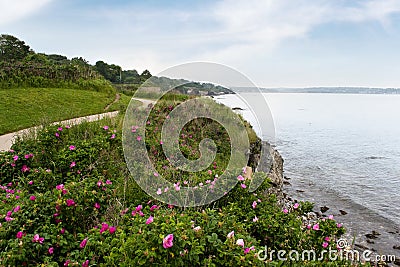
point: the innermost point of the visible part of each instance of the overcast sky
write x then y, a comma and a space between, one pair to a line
276, 43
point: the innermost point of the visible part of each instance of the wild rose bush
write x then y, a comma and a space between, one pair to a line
64, 202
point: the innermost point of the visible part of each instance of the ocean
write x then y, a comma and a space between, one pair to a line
341, 151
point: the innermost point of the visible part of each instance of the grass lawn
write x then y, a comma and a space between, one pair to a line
25, 107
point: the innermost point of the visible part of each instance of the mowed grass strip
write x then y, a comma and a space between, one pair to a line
26, 107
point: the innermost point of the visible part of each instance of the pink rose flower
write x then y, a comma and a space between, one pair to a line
149, 220
60, 187
240, 242
112, 229
168, 241
154, 207
37, 239
83, 243
25, 168
20, 235
231, 234
104, 227
70, 202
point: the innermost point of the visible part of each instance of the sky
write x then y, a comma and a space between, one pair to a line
276, 43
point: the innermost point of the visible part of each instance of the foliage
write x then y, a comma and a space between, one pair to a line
26, 107
22, 67
12, 49
67, 198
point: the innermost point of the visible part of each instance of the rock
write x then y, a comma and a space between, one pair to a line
391, 232
397, 262
311, 216
375, 233
300, 191
396, 247
237, 108
371, 236
370, 241
286, 178
361, 246
324, 209
286, 183
271, 163
342, 212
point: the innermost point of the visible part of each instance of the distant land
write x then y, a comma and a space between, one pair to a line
323, 90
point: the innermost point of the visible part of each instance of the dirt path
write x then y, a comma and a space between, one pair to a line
117, 97
7, 140
146, 102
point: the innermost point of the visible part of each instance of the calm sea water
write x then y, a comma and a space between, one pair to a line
342, 145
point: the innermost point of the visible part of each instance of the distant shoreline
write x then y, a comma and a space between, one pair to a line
322, 90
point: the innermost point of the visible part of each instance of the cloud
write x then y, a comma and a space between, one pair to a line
12, 10
239, 33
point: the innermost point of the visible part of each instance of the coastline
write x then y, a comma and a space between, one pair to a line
365, 229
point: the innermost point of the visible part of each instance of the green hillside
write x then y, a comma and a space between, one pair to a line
25, 107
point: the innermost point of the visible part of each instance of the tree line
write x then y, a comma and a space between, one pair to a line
20, 66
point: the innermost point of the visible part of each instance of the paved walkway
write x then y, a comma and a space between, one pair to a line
7, 140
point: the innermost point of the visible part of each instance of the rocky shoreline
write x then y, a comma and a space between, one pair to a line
365, 229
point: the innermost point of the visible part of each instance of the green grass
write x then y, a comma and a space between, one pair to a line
123, 103
25, 107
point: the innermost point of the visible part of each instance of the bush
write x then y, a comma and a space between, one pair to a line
67, 199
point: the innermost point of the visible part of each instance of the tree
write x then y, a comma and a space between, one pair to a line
130, 76
110, 72
80, 61
12, 49
37, 58
145, 75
